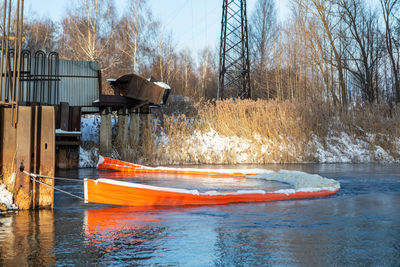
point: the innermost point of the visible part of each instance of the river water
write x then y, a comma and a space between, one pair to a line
359, 226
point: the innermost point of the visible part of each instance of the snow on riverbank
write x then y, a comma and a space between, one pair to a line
6, 198
213, 148
347, 149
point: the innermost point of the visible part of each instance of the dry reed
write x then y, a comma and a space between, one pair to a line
272, 131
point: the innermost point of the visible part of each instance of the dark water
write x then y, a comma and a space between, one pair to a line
360, 226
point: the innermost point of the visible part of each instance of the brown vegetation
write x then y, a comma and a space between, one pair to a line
278, 131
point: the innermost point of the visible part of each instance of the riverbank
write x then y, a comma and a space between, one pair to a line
260, 132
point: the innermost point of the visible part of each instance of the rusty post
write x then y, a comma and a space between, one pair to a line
47, 156
64, 116
7, 149
23, 185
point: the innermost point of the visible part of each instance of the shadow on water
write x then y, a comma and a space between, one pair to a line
360, 226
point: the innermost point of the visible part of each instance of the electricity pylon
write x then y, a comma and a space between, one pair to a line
234, 63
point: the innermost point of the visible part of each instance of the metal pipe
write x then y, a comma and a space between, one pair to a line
20, 26
2, 49
14, 77
8, 70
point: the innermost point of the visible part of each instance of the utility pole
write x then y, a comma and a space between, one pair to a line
234, 63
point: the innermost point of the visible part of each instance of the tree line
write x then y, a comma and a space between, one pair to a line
339, 51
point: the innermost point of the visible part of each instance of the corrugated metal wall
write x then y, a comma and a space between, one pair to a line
46, 80
79, 83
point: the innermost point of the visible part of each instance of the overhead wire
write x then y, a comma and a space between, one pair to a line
201, 29
176, 13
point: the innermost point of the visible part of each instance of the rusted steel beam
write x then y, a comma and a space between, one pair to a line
1, 144
47, 156
23, 185
75, 114
36, 151
117, 101
68, 143
8, 141
64, 116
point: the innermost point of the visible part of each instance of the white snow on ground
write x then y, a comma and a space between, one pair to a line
6, 198
199, 145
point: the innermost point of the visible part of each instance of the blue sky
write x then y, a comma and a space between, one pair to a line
194, 24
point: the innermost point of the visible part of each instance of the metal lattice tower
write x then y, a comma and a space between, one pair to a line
234, 63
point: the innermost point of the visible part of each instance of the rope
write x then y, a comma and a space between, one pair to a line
54, 178
33, 176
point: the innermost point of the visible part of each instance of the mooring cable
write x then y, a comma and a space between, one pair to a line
51, 177
33, 176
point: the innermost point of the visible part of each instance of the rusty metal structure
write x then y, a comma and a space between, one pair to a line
27, 133
234, 63
40, 93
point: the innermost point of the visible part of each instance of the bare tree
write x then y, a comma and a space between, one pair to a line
40, 34
363, 49
390, 11
325, 13
137, 31
207, 71
262, 36
87, 33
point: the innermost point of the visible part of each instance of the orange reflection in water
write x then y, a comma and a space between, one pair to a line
133, 223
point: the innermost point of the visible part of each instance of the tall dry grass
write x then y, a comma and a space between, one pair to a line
278, 131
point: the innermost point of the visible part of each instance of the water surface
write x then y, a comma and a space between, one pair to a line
359, 226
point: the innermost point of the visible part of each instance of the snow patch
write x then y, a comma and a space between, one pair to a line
163, 85
88, 158
6, 198
59, 131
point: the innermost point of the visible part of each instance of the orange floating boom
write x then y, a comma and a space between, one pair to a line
113, 192
123, 166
